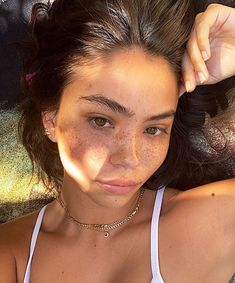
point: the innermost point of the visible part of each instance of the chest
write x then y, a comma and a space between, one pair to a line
187, 253
59, 260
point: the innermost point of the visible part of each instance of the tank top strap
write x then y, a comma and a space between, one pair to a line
33, 242
157, 278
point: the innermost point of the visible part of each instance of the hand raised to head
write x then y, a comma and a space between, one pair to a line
210, 53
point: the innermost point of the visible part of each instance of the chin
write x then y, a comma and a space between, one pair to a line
111, 200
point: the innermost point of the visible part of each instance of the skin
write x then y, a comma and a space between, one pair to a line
121, 148
196, 232
210, 48
196, 228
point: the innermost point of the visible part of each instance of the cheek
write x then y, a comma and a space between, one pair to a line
81, 149
154, 155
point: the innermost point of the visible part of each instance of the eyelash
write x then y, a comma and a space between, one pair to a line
91, 120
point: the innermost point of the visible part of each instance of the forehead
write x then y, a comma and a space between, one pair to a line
127, 74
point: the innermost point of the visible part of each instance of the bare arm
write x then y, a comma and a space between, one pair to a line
8, 269
229, 221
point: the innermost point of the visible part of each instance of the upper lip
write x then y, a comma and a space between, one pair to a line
119, 182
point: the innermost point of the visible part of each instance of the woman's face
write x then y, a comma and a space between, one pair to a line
114, 123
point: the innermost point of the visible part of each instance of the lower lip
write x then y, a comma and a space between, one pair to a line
117, 189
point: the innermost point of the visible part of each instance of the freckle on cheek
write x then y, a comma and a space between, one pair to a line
75, 150
61, 128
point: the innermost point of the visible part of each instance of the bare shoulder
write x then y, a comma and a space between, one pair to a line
223, 187
212, 208
15, 237
223, 191
18, 227
217, 196
209, 206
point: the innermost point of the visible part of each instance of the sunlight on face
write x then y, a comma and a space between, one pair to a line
115, 119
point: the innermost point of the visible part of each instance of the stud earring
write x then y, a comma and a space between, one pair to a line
47, 133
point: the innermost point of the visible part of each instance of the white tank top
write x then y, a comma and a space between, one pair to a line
157, 278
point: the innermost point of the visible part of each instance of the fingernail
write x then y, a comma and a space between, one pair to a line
188, 86
205, 55
202, 77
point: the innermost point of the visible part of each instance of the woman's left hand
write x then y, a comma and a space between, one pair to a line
213, 34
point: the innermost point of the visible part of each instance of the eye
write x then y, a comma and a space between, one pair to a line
155, 131
99, 122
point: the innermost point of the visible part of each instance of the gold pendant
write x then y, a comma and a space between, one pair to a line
106, 234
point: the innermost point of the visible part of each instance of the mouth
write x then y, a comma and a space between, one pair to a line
118, 188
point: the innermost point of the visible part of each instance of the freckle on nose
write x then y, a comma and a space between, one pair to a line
213, 194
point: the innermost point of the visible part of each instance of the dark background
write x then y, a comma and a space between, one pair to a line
14, 27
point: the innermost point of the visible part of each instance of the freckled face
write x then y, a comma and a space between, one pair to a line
98, 139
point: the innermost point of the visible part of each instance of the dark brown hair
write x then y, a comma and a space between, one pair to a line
76, 32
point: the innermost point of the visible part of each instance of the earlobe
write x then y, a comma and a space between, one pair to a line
49, 123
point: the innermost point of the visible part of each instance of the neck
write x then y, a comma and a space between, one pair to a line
96, 207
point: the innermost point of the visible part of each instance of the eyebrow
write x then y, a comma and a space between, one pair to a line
116, 107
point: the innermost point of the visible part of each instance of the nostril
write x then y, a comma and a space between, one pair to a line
125, 156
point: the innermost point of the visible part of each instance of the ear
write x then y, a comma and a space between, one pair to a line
49, 123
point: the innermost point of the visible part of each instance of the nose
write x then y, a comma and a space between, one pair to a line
126, 151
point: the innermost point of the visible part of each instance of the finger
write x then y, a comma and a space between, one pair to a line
209, 22
197, 59
188, 73
182, 89
202, 26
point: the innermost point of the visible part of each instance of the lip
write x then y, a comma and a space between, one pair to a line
120, 183
117, 189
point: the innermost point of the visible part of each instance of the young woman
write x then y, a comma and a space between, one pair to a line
102, 121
